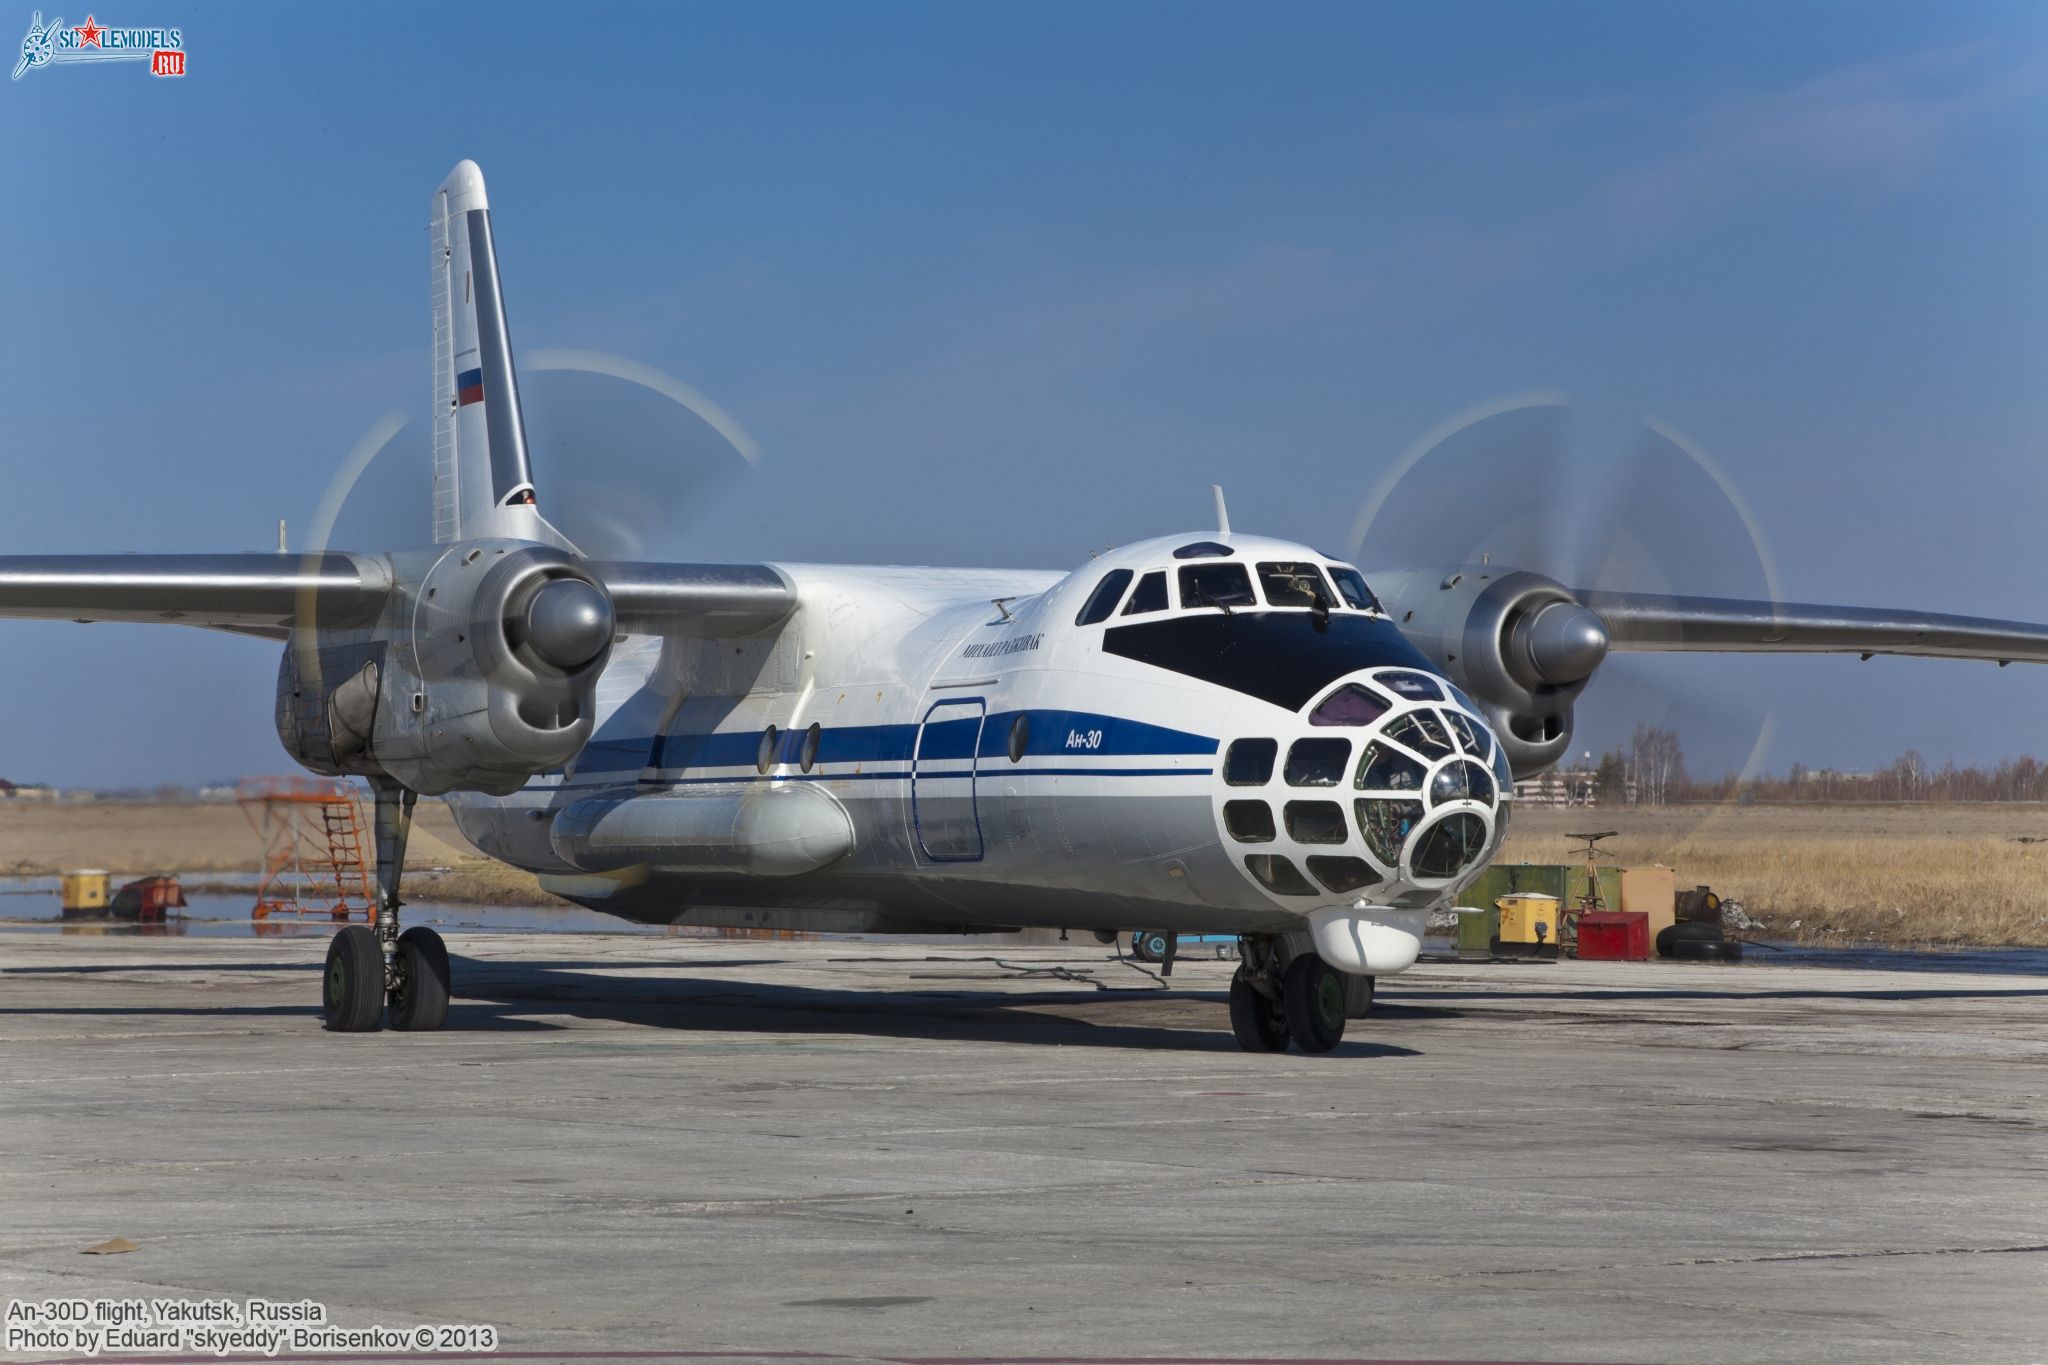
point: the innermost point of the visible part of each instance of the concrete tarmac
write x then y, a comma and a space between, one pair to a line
685, 1147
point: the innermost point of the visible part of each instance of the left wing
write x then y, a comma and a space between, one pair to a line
252, 594
1652, 621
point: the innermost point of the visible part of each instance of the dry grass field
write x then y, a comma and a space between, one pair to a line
1895, 874
194, 840
1934, 874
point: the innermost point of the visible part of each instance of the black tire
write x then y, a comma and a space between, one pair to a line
1372, 990
1259, 1022
1313, 992
1148, 945
1707, 950
352, 988
1693, 931
419, 1000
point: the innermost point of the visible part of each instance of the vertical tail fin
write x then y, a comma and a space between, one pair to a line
483, 485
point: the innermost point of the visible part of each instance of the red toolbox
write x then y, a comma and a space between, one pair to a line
1614, 936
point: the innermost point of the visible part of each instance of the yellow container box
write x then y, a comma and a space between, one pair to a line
85, 889
1528, 918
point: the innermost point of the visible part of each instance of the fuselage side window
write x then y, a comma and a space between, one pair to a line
1294, 585
1351, 583
1103, 600
1150, 594
1216, 585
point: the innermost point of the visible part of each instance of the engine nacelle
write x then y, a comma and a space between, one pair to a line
1517, 642
481, 673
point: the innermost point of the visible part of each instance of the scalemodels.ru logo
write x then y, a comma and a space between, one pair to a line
55, 44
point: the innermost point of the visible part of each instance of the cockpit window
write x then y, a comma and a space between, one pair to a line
1422, 732
1294, 585
1103, 600
1414, 686
1204, 549
1216, 585
1150, 596
1351, 583
1349, 705
1317, 762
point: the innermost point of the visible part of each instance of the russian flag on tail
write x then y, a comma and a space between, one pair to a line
469, 388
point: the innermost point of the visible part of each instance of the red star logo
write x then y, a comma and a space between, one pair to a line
88, 32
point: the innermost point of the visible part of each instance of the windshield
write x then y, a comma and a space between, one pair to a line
1294, 585
1216, 585
1351, 583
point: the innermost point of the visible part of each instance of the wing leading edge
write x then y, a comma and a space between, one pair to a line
1654, 622
267, 594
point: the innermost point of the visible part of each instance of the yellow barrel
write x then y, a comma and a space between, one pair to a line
85, 889
1528, 918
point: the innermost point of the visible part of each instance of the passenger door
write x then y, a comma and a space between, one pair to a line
943, 776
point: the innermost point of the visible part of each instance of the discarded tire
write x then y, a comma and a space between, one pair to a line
1669, 937
1708, 950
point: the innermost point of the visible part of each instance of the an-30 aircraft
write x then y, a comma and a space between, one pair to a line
1209, 733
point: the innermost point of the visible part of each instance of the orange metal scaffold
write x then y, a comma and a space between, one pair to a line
311, 830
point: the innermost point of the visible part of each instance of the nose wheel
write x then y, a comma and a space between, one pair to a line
373, 971
1275, 1001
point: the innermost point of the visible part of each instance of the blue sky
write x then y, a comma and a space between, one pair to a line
1005, 284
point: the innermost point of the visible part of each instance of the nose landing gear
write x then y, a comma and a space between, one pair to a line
368, 964
1278, 998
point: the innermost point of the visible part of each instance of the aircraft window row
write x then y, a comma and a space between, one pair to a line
1453, 844
1351, 583
1339, 874
1316, 822
807, 753
1287, 584
1294, 585
1350, 705
1150, 594
1249, 822
1461, 782
1020, 737
1276, 873
1103, 600
1423, 732
764, 754
1468, 734
1386, 825
1343, 874
1317, 762
1413, 686
1249, 762
1216, 585
1385, 769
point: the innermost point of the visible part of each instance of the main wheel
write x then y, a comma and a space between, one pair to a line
1313, 992
419, 998
1257, 1021
352, 992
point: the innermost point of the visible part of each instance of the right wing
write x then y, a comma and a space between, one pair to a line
253, 594
267, 594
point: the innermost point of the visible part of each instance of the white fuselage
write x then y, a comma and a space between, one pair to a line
906, 754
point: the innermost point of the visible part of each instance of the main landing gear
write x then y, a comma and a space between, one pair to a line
1277, 999
374, 970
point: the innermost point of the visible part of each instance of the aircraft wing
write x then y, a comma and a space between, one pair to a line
1651, 621
255, 594
265, 594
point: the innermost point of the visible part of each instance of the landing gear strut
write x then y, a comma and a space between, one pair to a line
368, 964
1276, 1000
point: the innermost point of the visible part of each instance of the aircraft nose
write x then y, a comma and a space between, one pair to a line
1561, 643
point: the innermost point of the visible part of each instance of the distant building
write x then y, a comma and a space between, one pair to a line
1560, 787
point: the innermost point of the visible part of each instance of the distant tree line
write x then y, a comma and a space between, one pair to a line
1650, 771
